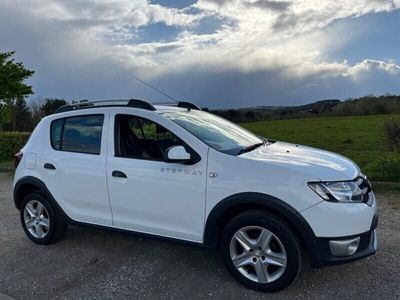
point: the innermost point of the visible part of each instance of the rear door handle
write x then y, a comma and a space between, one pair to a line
119, 174
49, 166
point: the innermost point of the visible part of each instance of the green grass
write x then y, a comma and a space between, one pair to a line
357, 137
384, 187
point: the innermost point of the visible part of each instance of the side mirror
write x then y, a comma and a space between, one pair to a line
177, 154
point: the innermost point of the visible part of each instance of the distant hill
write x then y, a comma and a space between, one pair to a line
367, 105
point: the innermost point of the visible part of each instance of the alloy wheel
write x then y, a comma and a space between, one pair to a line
36, 219
258, 254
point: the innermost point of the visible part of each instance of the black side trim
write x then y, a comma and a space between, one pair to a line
135, 233
215, 218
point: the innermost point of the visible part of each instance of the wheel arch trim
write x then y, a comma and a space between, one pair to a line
216, 216
40, 186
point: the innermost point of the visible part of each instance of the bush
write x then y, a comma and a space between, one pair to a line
391, 134
385, 168
11, 143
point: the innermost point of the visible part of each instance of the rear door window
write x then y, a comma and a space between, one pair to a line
78, 134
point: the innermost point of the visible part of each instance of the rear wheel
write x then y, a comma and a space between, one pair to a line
261, 251
39, 220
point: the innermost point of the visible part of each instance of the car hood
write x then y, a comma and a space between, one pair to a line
321, 164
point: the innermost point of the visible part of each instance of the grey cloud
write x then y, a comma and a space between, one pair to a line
218, 2
285, 21
93, 10
167, 47
276, 86
273, 5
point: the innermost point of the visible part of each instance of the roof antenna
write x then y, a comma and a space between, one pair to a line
153, 88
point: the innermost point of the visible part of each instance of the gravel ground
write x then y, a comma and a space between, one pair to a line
101, 264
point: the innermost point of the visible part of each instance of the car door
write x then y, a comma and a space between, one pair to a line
148, 194
74, 166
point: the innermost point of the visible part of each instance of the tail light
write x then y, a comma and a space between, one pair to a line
17, 158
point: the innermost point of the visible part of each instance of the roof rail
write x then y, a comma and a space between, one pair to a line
188, 105
165, 103
87, 104
141, 104
64, 108
125, 102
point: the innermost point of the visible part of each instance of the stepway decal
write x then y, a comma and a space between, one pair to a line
181, 171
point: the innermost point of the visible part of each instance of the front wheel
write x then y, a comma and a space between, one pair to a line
261, 251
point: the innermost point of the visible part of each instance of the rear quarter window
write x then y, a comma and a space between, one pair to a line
77, 134
56, 127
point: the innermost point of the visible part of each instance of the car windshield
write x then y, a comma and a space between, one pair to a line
216, 132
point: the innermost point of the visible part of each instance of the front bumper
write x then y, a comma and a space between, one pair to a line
367, 246
329, 219
339, 228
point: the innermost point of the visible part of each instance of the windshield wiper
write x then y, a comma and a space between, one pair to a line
265, 140
250, 148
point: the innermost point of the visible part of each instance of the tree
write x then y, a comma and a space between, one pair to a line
12, 86
21, 119
12, 77
35, 107
391, 134
250, 116
51, 105
4, 113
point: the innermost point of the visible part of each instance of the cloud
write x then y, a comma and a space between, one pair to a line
281, 84
259, 51
264, 4
274, 5
104, 12
371, 65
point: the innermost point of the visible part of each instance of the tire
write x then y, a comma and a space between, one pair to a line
39, 220
265, 249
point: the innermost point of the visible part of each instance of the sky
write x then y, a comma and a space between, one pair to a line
215, 53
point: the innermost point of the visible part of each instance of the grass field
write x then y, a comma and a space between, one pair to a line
357, 137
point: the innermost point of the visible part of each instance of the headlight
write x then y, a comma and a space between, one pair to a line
342, 191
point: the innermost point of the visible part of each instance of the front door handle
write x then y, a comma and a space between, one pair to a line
49, 166
119, 174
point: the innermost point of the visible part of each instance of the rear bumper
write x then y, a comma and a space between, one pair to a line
367, 245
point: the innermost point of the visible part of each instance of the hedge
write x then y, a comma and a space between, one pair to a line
385, 168
11, 143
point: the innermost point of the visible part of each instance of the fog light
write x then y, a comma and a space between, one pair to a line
375, 237
344, 247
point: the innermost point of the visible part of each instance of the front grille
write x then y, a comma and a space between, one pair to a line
365, 187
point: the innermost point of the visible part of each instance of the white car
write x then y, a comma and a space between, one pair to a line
185, 174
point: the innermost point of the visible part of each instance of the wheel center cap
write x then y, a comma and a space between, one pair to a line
257, 252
